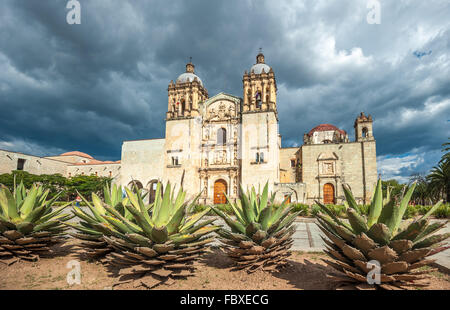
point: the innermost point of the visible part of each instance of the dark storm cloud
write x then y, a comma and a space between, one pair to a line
91, 86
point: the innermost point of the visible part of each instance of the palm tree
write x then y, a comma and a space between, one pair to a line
439, 179
446, 156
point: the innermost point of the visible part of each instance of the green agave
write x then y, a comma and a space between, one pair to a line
28, 223
90, 228
163, 241
260, 236
400, 247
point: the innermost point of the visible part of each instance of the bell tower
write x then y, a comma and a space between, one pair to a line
185, 94
260, 140
260, 87
363, 128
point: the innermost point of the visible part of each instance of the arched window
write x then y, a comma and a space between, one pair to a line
221, 136
365, 132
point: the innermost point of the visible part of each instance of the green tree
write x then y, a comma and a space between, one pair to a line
396, 188
421, 194
446, 150
439, 180
57, 183
86, 185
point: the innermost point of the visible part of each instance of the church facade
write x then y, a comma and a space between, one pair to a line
214, 144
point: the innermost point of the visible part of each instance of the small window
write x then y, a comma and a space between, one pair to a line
20, 163
175, 161
365, 132
221, 136
292, 163
258, 99
259, 157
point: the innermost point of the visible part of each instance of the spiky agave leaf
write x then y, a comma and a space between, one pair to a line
98, 220
400, 252
29, 224
260, 234
162, 243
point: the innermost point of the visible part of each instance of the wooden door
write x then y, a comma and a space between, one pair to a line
328, 194
220, 189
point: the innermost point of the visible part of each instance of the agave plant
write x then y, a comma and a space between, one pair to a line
88, 229
260, 236
28, 223
399, 247
162, 242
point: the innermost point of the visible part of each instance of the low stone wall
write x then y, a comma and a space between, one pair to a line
298, 191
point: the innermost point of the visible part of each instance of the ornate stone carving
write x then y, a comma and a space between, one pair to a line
328, 168
220, 157
221, 110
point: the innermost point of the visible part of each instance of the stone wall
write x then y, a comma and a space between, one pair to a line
260, 134
296, 190
353, 163
141, 161
287, 172
33, 164
100, 170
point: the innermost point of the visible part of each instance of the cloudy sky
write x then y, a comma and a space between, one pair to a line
88, 87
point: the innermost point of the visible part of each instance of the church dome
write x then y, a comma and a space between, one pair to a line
188, 78
77, 153
260, 66
325, 127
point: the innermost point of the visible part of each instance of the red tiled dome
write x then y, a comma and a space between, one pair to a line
77, 153
325, 127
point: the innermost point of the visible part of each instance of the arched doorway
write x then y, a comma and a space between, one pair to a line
328, 194
135, 185
152, 185
220, 189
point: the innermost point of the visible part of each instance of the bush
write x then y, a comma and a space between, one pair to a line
315, 209
364, 209
301, 207
443, 211
224, 208
57, 183
411, 211
338, 210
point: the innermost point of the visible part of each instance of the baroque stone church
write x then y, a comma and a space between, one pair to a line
216, 143
213, 144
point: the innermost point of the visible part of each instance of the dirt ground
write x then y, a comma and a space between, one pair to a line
305, 271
